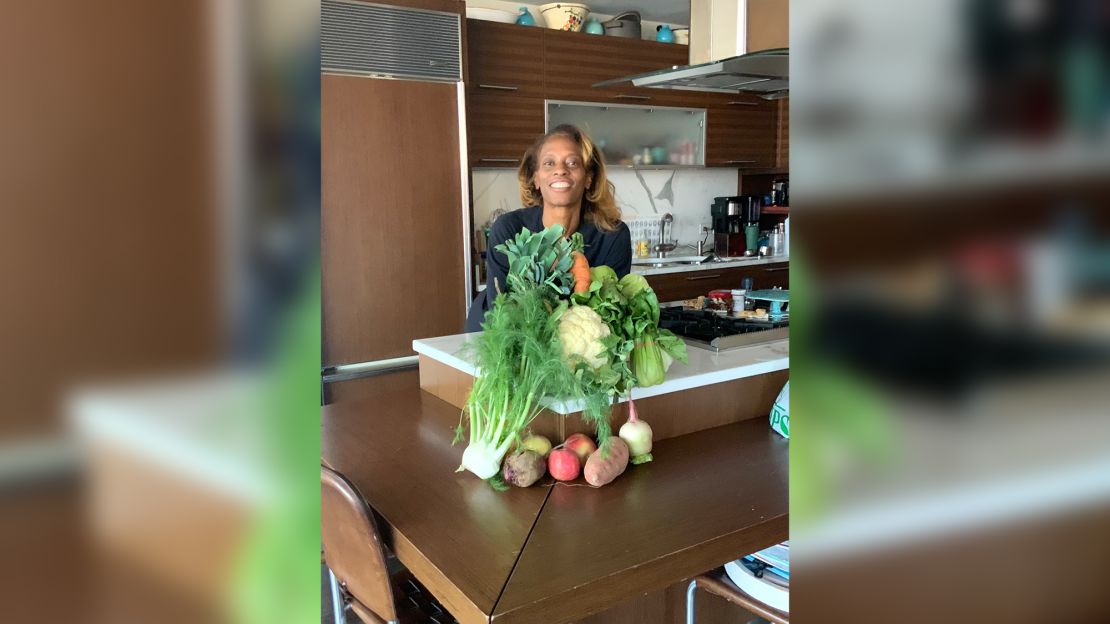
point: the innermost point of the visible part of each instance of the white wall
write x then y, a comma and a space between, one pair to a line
692, 190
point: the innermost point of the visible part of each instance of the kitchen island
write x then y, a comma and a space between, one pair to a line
710, 390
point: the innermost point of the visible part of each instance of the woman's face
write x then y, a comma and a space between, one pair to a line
560, 174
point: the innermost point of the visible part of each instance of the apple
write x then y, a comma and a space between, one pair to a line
537, 443
582, 446
563, 464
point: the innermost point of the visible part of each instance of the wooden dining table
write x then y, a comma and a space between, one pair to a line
556, 552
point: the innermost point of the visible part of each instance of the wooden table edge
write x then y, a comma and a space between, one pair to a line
574, 595
435, 581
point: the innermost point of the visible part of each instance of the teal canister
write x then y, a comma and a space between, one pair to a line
594, 27
525, 18
664, 34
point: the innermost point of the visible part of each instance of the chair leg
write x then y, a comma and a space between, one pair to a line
691, 589
336, 600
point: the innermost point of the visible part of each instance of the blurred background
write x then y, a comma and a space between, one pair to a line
950, 351
159, 178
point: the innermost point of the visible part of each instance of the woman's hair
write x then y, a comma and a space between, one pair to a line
599, 206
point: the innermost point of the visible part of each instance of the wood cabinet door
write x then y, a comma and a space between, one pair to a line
782, 141
504, 58
742, 133
391, 216
501, 127
692, 284
573, 62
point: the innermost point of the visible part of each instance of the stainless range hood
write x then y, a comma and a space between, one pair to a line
766, 72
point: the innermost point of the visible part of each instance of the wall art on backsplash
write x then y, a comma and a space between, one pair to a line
686, 194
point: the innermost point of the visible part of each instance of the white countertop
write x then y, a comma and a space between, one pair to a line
704, 368
708, 266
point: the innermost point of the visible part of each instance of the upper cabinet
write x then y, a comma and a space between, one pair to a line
513, 70
504, 58
741, 132
574, 62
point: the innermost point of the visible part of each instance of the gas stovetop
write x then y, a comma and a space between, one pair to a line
707, 330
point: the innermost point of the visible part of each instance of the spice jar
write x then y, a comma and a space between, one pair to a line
738, 299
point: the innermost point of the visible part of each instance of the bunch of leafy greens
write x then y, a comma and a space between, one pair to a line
519, 356
631, 309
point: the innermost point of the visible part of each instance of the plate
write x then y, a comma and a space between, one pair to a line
491, 15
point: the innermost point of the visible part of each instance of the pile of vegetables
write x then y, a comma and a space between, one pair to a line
565, 331
630, 309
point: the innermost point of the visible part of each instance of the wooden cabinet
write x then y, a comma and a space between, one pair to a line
574, 62
782, 139
383, 223
741, 132
504, 93
504, 58
513, 69
501, 127
691, 284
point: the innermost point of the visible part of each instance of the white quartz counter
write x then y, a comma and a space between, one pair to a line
704, 368
647, 269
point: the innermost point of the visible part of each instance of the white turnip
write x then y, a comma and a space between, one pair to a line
637, 434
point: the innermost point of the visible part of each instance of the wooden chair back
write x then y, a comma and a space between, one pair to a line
353, 547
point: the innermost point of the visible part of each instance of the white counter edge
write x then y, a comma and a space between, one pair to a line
647, 269
767, 358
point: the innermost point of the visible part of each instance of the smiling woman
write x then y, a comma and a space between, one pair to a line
562, 180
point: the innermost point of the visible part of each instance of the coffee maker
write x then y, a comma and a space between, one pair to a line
730, 216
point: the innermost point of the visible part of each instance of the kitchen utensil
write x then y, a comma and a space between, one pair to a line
491, 15
664, 34
525, 18
626, 24
564, 16
594, 27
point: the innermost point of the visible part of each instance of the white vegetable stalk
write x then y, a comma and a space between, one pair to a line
483, 460
493, 432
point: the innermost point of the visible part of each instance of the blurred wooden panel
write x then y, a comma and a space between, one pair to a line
109, 250
391, 216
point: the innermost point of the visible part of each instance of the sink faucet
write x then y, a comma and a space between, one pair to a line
663, 247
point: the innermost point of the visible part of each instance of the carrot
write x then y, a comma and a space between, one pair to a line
581, 272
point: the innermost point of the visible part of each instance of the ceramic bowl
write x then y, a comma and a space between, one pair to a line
564, 16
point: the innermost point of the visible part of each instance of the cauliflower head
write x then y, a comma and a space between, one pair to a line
580, 332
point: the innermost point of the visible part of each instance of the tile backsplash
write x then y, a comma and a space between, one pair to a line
685, 193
